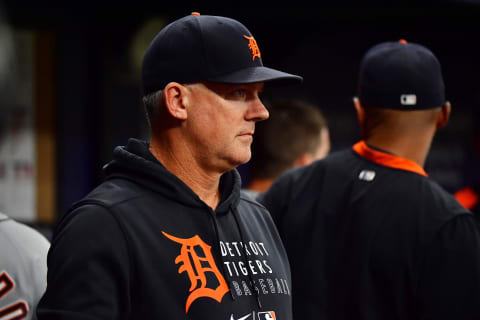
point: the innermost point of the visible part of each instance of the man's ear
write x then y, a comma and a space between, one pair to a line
360, 111
444, 115
176, 100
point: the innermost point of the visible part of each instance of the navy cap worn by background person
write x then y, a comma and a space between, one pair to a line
401, 75
205, 48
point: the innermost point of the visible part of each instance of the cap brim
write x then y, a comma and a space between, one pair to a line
257, 74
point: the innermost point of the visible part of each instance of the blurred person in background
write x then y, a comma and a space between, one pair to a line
469, 194
469, 197
295, 134
23, 250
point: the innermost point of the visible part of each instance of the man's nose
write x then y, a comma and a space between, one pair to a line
257, 111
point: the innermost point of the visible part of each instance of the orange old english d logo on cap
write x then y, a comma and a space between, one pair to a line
196, 266
252, 44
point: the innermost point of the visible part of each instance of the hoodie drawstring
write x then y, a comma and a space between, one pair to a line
254, 288
242, 238
217, 239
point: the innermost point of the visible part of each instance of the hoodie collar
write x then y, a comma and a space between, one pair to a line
135, 162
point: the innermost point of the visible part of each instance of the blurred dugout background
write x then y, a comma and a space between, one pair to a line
77, 93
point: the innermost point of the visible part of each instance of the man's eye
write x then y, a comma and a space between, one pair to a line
239, 93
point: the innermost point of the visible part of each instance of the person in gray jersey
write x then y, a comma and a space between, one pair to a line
23, 250
23, 269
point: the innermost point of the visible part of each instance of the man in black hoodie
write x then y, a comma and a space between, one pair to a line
167, 235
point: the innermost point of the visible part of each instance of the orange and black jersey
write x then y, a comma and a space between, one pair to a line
369, 236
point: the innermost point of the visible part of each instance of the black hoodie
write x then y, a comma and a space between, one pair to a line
142, 245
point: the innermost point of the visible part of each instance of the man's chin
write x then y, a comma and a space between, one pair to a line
239, 160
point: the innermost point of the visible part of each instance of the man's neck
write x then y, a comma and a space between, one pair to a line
183, 166
413, 148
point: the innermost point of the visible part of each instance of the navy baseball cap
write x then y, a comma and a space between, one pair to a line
401, 75
205, 48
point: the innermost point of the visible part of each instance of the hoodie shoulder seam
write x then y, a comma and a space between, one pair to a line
103, 203
252, 202
137, 195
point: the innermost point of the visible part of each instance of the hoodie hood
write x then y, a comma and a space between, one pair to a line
135, 162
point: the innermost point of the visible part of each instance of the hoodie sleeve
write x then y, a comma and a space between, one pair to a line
450, 281
88, 269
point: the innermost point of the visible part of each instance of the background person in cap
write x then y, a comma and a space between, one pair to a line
296, 134
167, 234
368, 234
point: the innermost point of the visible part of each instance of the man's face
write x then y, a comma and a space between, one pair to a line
221, 123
